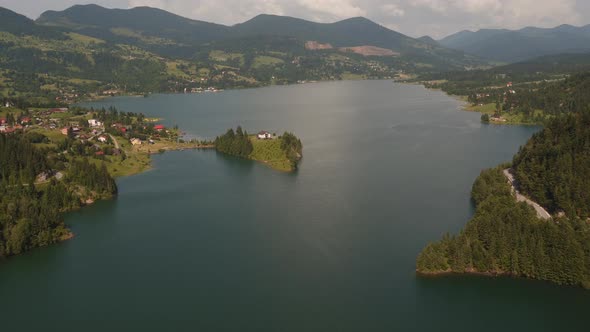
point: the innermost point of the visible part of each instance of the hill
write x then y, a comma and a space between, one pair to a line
150, 28
17, 24
518, 45
88, 51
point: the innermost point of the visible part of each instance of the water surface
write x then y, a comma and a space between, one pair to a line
205, 242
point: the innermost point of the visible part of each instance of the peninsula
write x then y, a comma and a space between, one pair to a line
539, 229
55, 160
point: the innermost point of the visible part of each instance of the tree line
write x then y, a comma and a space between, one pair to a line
292, 147
235, 143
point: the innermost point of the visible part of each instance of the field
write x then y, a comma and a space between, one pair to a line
270, 153
264, 60
350, 76
511, 118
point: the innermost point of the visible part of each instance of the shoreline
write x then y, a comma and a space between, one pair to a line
466, 273
138, 95
466, 107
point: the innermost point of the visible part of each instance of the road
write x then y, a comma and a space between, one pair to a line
541, 212
114, 141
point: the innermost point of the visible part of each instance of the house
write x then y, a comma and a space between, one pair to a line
7, 104
64, 131
25, 120
264, 135
94, 123
123, 130
3, 128
2, 121
102, 139
509, 85
99, 153
159, 127
135, 141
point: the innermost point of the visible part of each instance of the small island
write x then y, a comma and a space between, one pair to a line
282, 153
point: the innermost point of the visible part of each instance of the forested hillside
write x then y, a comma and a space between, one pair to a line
518, 45
31, 211
554, 166
506, 237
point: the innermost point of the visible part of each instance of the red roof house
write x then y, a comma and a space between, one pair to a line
159, 127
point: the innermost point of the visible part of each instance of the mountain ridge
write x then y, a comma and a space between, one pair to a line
518, 45
110, 24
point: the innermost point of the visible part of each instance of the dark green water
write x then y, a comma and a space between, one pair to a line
206, 242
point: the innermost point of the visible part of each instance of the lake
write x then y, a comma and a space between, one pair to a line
206, 242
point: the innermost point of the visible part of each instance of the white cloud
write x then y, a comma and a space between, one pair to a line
332, 8
392, 9
505, 13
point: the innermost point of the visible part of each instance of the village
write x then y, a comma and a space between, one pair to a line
122, 140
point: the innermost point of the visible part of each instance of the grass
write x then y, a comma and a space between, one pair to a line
263, 60
270, 153
55, 136
221, 56
84, 39
173, 70
511, 118
80, 81
351, 76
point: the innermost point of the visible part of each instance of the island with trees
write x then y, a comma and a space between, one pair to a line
278, 152
505, 237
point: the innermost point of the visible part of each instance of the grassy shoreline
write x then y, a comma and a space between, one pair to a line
489, 109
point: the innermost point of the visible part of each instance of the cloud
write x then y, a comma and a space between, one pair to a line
393, 9
504, 13
332, 8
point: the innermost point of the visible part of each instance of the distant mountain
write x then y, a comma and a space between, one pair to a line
18, 24
513, 46
135, 22
428, 40
356, 31
169, 34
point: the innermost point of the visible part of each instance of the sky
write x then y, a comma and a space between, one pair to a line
436, 18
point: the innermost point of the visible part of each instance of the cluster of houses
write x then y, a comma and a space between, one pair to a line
201, 90
7, 128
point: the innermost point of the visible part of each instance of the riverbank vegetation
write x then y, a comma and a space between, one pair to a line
516, 94
281, 153
505, 237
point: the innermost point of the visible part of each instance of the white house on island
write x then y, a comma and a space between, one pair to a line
264, 135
